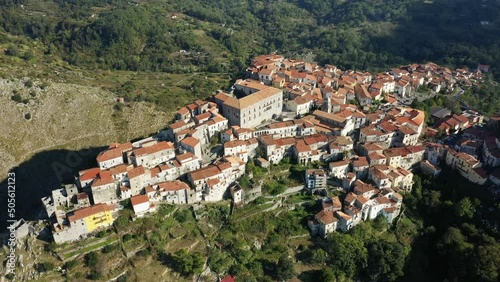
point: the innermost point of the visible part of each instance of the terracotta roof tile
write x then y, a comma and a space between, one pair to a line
137, 171
173, 186
139, 199
109, 155
326, 217
160, 146
190, 141
89, 174
205, 172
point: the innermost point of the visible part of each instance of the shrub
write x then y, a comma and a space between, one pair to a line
29, 83
186, 263
127, 237
118, 107
44, 85
91, 259
181, 215
45, 266
101, 234
13, 51
28, 56
16, 97
109, 248
143, 253
70, 264
94, 275
123, 278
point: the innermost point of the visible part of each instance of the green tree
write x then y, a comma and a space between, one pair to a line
91, 259
182, 215
456, 251
70, 264
348, 254
220, 262
326, 275
244, 181
465, 208
285, 269
318, 256
187, 264
385, 261
486, 262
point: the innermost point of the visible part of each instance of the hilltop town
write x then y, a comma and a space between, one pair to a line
357, 126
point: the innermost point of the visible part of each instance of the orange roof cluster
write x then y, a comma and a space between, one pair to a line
404, 151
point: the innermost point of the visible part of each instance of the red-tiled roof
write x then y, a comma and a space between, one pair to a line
343, 215
136, 171
228, 278
185, 157
183, 111
190, 141
103, 178
177, 125
109, 155
326, 217
173, 186
89, 173
303, 148
154, 148
206, 172
139, 199
118, 169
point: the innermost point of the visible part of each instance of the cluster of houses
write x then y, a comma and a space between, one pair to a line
308, 85
286, 108
475, 153
364, 202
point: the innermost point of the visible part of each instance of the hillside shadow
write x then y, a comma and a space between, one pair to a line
38, 176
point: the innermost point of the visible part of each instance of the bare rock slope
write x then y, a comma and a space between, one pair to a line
37, 116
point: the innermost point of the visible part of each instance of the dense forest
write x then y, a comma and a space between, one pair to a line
220, 36
143, 35
447, 230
